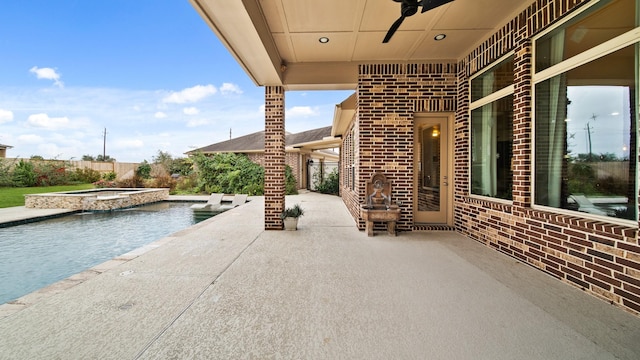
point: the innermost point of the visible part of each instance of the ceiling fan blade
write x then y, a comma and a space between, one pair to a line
392, 29
432, 4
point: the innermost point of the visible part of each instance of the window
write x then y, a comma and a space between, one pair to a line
492, 131
586, 106
348, 159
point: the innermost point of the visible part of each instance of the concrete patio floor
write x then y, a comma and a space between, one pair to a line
227, 289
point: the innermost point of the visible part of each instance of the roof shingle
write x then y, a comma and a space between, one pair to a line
255, 141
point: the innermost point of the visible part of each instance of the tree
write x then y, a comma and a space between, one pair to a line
105, 158
163, 158
231, 173
144, 170
182, 166
88, 158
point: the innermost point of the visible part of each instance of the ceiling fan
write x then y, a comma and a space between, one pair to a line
409, 8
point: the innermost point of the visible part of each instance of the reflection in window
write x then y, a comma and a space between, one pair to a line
585, 126
498, 77
604, 21
491, 149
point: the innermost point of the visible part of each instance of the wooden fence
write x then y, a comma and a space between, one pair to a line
122, 169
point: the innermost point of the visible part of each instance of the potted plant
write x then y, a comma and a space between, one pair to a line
290, 217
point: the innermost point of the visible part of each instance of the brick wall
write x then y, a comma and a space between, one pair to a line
601, 258
598, 257
388, 95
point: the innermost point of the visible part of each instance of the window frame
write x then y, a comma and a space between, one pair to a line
473, 105
629, 38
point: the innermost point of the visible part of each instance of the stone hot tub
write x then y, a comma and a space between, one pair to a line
380, 206
95, 200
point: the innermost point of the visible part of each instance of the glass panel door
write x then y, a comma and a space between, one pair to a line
431, 195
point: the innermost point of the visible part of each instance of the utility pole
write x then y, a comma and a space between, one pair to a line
104, 145
593, 117
229, 133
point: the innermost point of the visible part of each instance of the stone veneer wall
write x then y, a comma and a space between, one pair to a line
599, 257
91, 201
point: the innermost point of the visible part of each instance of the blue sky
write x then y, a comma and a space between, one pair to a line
149, 71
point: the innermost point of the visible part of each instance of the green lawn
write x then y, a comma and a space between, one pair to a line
14, 196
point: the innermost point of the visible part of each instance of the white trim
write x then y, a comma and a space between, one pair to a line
504, 92
629, 38
576, 213
494, 96
494, 63
478, 103
562, 22
490, 199
608, 47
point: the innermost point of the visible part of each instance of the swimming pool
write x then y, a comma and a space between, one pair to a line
38, 254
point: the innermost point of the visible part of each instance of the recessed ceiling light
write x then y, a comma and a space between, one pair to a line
324, 40
439, 37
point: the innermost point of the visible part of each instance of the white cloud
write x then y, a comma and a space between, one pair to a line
47, 74
30, 139
190, 95
229, 88
49, 151
197, 122
129, 144
191, 111
302, 111
44, 121
160, 115
5, 116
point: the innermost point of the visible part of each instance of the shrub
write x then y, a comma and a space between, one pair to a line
187, 184
234, 174
24, 174
144, 170
295, 212
330, 184
182, 166
109, 176
6, 176
134, 182
291, 185
164, 182
105, 184
86, 175
50, 173
229, 173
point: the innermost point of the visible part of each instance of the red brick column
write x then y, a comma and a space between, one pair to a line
522, 127
274, 157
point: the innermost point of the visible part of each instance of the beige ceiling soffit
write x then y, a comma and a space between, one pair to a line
325, 143
233, 23
342, 115
321, 76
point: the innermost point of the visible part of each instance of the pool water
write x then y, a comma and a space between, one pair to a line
38, 254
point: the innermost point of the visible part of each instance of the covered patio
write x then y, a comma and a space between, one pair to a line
292, 45
466, 106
